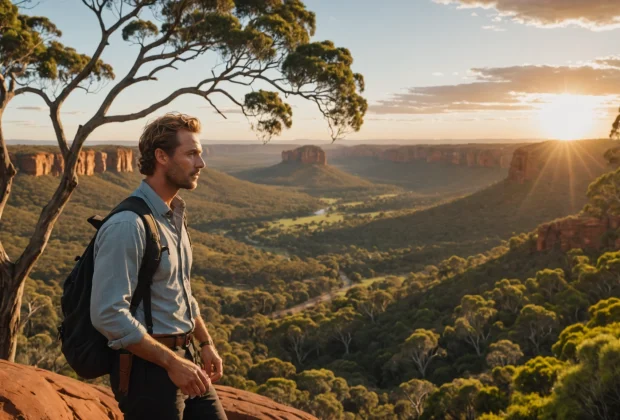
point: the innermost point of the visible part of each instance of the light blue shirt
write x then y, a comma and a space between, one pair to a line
119, 248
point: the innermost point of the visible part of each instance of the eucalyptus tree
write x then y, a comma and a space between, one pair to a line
262, 46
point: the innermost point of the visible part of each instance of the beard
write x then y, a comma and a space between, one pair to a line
181, 179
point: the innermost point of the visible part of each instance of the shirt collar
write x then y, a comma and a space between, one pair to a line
158, 205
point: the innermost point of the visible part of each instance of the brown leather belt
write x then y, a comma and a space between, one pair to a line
173, 341
126, 358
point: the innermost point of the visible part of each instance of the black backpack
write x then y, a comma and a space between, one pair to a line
85, 348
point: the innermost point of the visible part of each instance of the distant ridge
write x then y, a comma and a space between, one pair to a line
306, 168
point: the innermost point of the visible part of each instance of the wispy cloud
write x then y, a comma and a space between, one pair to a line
225, 111
493, 28
437, 74
22, 123
517, 88
613, 61
30, 108
591, 14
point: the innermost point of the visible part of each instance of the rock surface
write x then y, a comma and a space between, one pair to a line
576, 232
89, 162
28, 393
489, 156
526, 164
306, 154
120, 160
100, 162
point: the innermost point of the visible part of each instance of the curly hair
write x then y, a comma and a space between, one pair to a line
162, 134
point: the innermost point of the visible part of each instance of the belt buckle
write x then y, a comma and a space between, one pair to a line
188, 339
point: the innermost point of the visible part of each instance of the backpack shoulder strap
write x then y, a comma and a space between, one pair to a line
152, 253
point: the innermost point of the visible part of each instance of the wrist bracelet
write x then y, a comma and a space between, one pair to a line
205, 343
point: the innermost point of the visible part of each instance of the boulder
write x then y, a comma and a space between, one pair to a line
29, 393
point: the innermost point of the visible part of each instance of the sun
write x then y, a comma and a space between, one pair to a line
567, 117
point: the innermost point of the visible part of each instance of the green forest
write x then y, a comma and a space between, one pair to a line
432, 327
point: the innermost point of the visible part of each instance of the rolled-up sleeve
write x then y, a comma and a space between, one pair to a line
119, 248
195, 307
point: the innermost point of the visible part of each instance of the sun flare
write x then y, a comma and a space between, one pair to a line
567, 117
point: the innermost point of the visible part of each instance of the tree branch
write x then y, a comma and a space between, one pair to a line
154, 107
41, 93
47, 219
103, 43
215, 107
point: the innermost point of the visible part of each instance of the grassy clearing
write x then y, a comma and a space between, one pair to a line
300, 221
352, 203
232, 290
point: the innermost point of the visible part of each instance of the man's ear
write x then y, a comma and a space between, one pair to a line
161, 156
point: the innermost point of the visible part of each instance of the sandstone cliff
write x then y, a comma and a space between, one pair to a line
373, 151
40, 161
555, 161
577, 232
30, 393
306, 155
527, 163
489, 156
120, 159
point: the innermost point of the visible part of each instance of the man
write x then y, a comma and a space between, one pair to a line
164, 383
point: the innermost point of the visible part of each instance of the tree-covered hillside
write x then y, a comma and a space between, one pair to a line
471, 223
317, 180
420, 176
218, 198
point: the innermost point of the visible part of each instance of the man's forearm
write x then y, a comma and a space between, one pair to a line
200, 331
153, 351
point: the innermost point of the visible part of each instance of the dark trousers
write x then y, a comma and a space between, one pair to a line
152, 395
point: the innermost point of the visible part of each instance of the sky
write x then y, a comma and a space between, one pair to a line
435, 70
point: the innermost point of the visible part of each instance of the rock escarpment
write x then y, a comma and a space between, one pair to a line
578, 232
30, 393
39, 162
526, 164
373, 151
489, 156
313, 155
120, 160
554, 160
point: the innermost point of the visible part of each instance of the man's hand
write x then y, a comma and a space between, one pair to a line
188, 377
212, 362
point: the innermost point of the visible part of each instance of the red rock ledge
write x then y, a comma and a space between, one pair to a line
30, 393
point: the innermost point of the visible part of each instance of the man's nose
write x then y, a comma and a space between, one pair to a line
201, 163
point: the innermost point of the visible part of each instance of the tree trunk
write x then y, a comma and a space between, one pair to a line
7, 170
13, 275
10, 294
10, 303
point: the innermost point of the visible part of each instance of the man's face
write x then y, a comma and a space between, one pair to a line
185, 164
